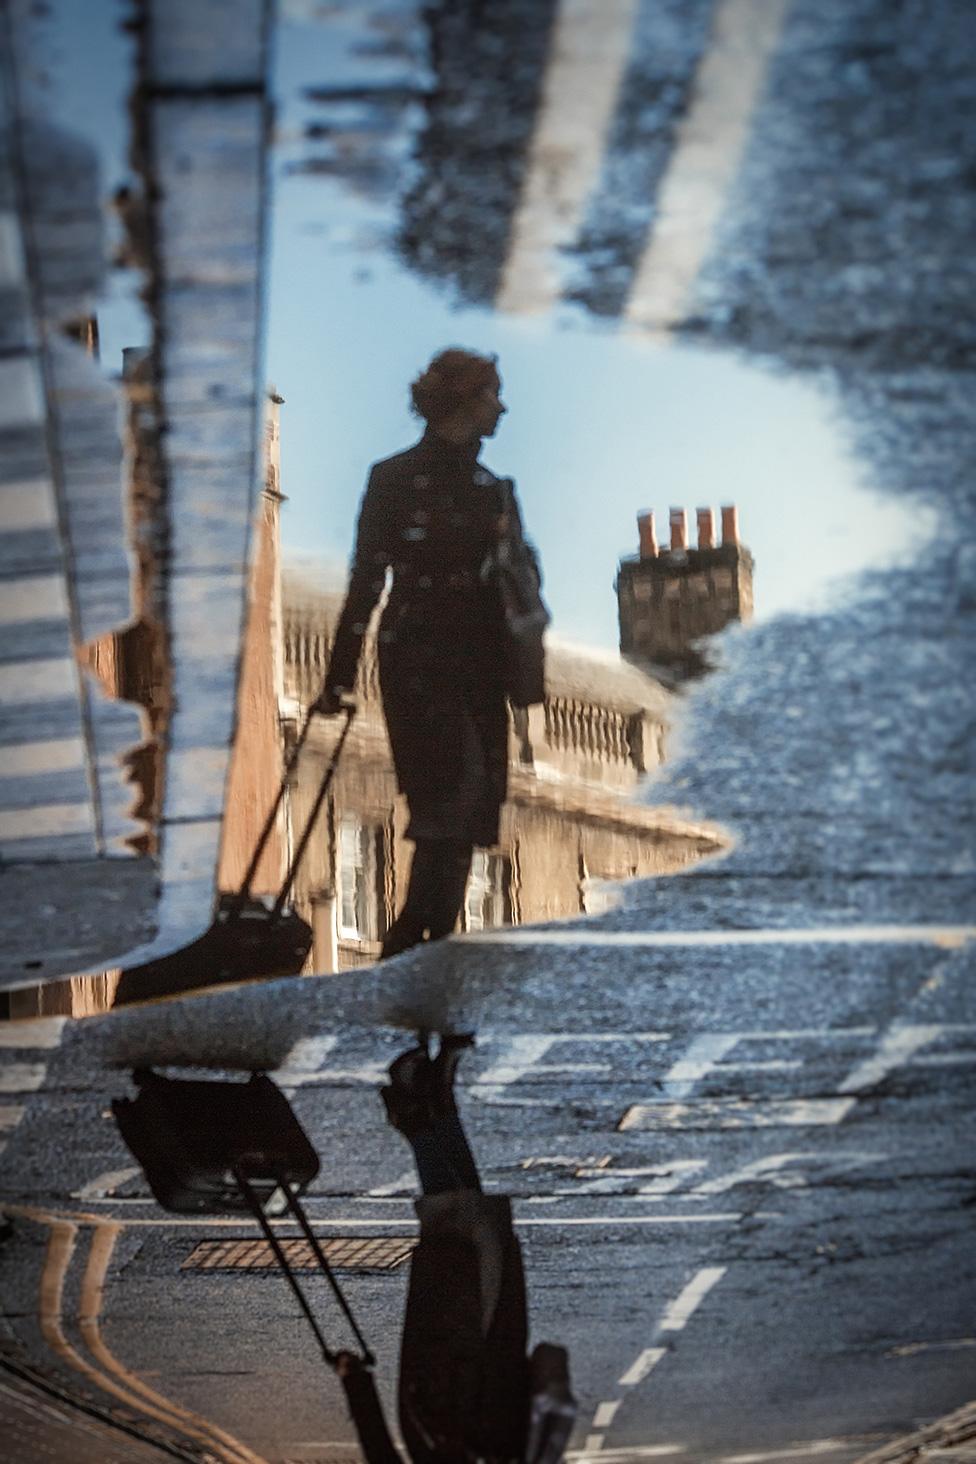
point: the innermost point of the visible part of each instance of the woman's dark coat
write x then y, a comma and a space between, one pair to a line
464, 1375
430, 515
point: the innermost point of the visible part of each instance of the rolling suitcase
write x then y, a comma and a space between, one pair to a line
247, 939
192, 1139
210, 1147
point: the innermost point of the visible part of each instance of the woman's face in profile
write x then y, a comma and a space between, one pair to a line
486, 409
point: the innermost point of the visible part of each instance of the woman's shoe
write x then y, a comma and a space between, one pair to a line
411, 1072
443, 1069
402, 935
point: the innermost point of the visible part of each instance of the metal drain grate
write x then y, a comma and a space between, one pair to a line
349, 1253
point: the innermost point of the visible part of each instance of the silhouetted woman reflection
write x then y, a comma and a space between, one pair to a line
429, 516
468, 1393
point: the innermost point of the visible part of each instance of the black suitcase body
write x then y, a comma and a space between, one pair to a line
193, 1138
244, 942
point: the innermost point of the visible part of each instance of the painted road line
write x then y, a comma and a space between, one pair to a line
709, 144
522, 1054
792, 1451
54, 678
624, 1456
676, 1317
56, 755
10, 1116
26, 505
913, 1349
736, 1113
89, 1312
594, 1443
606, 1413
304, 1061
40, 1033
21, 1077
897, 1047
666, 1178
945, 936
770, 1170
700, 1057
62, 1240
406, 1222
105, 1184
33, 597
639, 1369
46, 821
588, 54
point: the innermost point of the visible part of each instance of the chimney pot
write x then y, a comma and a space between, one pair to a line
706, 528
730, 524
648, 538
679, 528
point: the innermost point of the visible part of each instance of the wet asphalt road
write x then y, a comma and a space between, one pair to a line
794, 1126
838, 747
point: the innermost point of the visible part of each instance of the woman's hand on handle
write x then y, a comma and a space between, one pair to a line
332, 700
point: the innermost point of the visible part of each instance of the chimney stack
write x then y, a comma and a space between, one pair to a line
706, 528
730, 524
648, 538
679, 529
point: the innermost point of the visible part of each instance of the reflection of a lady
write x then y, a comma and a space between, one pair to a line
467, 1389
429, 516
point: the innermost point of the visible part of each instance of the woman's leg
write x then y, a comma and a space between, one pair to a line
453, 864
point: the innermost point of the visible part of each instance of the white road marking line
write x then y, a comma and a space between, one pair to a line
21, 1077
46, 820
701, 1056
626, 1455
37, 1033
945, 936
594, 1443
407, 1221
406, 1183
606, 1413
522, 1054
26, 505
588, 53
709, 144
105, 1184
54, 678
304, 1061
608, 1221
57, 755
896, 1047
667, 1178
945, 1059
912, 1349
33, 597
638, 1370
676, 1317
21, 396
790, 1451
10, 1116
768, 1170
12, 272
737, 1113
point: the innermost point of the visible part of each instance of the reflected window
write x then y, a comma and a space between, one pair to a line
488, 902
360, 869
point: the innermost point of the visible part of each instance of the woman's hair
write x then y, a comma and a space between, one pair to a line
451, 379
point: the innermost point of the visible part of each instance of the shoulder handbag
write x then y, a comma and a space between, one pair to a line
511, 569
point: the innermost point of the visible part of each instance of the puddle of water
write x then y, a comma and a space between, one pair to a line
602, 424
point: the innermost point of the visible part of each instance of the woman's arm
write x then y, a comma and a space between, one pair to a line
367, 576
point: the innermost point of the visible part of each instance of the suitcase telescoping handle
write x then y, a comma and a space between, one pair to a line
269, 822
330, 1356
